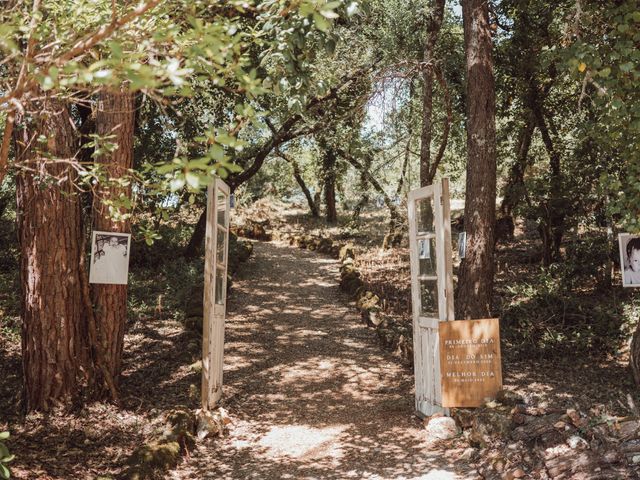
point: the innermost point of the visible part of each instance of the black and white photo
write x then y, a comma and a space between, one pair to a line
630, 259
109, 258
424, 249
462, 244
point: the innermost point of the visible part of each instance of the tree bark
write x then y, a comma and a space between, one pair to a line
394, 215
433, 29
554, 218
313, 207
116, 117
515, 188
477, 269
329, 177
407, 148
364, 182
196, 243
54, 348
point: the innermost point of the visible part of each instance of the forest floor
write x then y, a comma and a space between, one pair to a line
312, 393
309, 389
565, 341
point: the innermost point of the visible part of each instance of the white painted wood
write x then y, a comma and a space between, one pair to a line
214, 311
425, 328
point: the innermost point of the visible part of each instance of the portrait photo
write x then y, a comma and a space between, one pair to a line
109, 258
630, 259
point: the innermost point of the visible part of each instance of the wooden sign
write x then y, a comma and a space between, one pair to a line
470, 362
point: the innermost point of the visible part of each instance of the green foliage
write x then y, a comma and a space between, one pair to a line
177, 53
545, 318
5, 457
605, 58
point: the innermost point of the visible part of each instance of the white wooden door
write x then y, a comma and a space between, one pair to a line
215, 292
431, 288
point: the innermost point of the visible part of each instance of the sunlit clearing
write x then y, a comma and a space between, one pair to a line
303, 442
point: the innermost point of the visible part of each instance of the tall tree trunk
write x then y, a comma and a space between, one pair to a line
196, 243
407, 148
364, 184
313, 207
515, 189
476, 272
54, 346
116, 117
433, 30
329, 177
394, 215
555, 211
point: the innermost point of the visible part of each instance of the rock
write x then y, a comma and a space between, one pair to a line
577, 442
324, 246
463, 416
147, 460
211, 423
442, 428
487, 425
348, 251
469, 454
179, 427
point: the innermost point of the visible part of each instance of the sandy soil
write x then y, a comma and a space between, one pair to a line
311, 392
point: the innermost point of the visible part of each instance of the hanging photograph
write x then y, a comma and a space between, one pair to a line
462, 244
630, 259
109, 258
424, 249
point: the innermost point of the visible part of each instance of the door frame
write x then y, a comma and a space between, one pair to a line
215, 293
439, 192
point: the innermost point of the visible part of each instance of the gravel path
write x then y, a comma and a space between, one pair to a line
311, 392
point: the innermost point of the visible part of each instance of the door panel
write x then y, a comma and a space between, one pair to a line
215, 292
431, 288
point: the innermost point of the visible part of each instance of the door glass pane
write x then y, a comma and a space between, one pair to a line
427, 256
220, 293
221, 202
220, 237
424, 213
429, 298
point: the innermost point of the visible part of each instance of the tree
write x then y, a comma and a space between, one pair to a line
427, 170
54, 338
115, 118
329, 176
475, 286
167, 49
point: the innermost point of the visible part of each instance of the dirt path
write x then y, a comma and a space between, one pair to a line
311, 392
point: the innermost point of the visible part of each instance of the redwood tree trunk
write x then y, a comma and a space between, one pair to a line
477, 269
115, 116
54, 346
